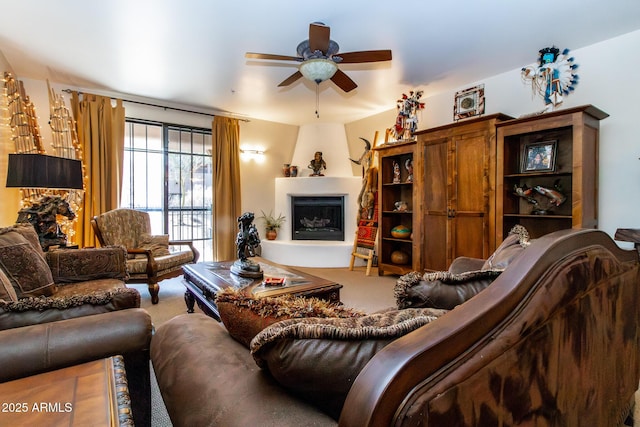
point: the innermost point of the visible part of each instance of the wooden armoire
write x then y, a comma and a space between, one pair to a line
458, 192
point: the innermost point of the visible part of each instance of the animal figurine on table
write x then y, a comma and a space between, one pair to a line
43, 215
247, 241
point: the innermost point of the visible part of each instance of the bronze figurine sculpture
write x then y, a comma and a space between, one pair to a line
247, 241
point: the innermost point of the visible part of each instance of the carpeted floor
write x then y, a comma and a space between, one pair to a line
367, 293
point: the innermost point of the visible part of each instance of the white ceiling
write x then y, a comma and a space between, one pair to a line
191, 52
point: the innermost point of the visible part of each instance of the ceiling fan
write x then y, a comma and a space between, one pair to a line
319, 58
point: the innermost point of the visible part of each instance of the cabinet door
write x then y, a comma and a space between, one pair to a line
436, 204
470, 196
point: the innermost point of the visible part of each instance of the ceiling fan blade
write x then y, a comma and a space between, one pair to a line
319, 37
343, 81
365, 56
270, 56
292, 78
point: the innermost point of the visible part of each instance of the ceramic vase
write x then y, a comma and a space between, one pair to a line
399, 257
272, 234
285, 170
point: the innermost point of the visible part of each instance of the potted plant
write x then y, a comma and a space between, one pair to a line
272, 224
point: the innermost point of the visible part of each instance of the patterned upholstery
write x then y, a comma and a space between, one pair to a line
132, 229
123, 226
85, 281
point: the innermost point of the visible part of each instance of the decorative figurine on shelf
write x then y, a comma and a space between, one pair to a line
526, 193
396, 172
317, 164
554, 197
554, 77
408, 165
401, 206
247, 241
407, 119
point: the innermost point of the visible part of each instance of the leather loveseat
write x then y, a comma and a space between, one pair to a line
553, 340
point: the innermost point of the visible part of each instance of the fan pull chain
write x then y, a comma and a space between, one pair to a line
317, 100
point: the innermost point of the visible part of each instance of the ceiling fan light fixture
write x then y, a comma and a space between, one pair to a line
318, 70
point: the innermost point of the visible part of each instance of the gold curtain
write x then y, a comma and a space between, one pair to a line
101, 136
226, 189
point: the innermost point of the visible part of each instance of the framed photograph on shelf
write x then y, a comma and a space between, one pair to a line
539, 157
469, 103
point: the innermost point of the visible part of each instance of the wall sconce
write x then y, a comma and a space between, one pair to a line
252, 154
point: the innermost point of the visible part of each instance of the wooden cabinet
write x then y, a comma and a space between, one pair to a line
571, 137
397, 207
457, 194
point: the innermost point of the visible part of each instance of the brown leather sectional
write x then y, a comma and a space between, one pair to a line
554, 340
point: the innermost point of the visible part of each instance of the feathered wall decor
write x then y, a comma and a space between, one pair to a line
553, 78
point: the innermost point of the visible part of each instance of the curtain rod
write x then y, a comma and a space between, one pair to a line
164, 106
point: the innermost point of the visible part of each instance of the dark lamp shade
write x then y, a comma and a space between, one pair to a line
42, 171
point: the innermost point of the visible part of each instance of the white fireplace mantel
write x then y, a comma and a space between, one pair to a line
311, 253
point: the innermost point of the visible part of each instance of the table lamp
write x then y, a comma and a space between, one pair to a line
40, 171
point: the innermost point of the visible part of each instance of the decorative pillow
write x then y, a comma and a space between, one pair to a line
7, 293
446, 290
517, 240
318, 359
157, 244
440, 289
26, 269
244, 316
28, 232
72, 266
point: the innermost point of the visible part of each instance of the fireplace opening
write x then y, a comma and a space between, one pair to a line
317, 218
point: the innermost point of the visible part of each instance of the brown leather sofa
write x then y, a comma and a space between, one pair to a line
34, 349
554, 340
39, 287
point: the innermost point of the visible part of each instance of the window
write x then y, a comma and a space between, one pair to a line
167, 173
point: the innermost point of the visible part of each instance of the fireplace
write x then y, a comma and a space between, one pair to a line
314, 253
317, 218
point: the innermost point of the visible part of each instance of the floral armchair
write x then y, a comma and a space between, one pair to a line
150, 257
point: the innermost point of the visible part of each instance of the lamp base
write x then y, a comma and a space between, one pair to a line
43, 216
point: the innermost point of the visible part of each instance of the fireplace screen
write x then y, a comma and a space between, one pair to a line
317, 218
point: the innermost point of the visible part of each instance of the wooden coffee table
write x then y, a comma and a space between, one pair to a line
203, 280
92, 393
